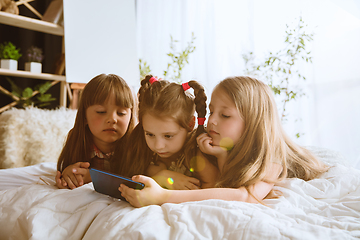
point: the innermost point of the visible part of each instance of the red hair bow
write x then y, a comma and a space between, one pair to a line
152, 80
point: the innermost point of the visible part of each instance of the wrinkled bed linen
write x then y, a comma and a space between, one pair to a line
42, 173
323, 208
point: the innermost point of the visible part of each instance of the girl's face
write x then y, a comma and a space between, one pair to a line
225, 124
163, 135
108, 123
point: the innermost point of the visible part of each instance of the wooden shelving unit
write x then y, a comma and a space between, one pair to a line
27, 74
31, 24
40, 26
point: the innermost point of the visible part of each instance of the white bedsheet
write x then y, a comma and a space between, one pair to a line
324, 208
42, 173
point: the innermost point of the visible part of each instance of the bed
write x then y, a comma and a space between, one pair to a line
31, 207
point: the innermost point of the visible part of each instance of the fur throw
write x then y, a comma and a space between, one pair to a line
32, 135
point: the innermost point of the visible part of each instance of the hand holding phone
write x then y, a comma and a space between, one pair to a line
108, 183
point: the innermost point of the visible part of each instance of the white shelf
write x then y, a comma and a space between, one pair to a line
31, 24
27, 74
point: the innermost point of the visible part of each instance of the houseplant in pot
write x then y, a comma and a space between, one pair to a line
34, 57
9, 56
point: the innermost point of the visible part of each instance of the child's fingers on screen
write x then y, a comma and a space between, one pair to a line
123, 188
127, 193
137, 178
143, 179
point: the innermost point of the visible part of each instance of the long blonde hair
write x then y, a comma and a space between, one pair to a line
79, 141
164, 99
264, 140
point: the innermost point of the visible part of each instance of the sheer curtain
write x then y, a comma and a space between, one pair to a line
328, 115
216, 39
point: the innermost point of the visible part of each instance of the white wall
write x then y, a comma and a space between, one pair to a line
100, 37
330, 111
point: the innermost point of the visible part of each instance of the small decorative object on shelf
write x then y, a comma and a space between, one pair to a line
54, 13
9, 6
9, 56
34, 57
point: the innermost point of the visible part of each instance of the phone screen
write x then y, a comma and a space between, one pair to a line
108, 183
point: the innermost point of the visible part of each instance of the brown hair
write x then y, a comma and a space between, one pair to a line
164, 99
264, 140
79, 141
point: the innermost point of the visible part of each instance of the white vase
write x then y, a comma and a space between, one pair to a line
34, 67
10, 64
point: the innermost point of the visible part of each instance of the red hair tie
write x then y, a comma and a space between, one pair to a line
152, 80
185, 86
201, 121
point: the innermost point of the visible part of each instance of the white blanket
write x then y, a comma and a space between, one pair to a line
324, 208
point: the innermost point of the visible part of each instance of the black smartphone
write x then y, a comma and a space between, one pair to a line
108, 183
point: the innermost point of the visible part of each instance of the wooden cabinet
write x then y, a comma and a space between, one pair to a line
40, 26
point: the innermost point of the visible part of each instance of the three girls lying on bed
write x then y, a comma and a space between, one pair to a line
241, 155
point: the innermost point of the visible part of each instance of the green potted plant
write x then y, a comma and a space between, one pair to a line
9, 56
34, 57
176, 65
281, 69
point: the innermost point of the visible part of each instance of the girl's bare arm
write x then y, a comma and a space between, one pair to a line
154, 194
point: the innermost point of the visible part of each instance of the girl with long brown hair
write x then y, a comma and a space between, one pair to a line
252, 151
104, 121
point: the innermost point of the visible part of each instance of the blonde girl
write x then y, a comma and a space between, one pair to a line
104, 121
163, 144
253, 152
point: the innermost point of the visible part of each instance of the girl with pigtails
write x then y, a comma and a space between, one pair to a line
252, 151
163, 144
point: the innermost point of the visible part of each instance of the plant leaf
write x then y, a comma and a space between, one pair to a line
27, 93
42, 88
14, 88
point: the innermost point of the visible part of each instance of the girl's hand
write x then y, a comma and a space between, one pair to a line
58, 180
204, 142
176, 181
75, 175
151, 194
